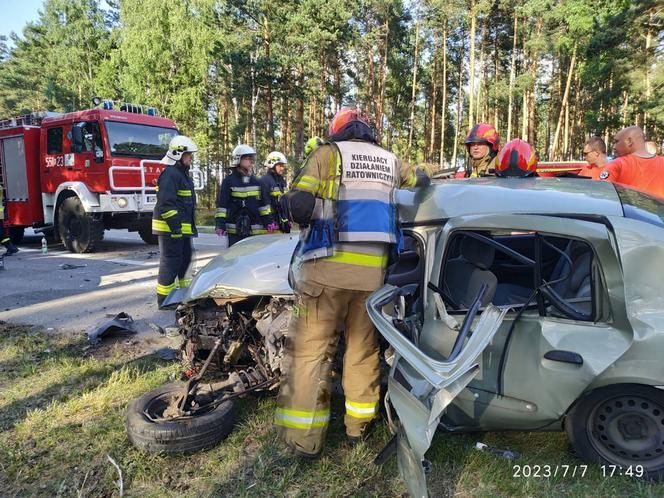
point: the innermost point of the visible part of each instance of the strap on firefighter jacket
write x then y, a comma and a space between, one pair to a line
176, 203
240, 197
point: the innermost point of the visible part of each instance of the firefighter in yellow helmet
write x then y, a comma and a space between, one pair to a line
344, 194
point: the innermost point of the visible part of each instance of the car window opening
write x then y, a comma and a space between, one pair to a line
561, 269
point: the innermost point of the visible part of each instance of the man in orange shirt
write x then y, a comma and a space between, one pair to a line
634, 166
594, 152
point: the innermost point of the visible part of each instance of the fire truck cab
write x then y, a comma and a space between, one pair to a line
80, 173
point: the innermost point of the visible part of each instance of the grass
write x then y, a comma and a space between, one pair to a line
62, 414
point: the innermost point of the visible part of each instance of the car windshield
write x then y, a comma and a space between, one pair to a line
640, 206
137, 140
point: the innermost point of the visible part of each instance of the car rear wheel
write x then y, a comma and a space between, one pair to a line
149, 431
620, 425
78, 230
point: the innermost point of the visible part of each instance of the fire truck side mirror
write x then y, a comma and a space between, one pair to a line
77, 144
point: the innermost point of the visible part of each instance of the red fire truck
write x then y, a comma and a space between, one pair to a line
78, 174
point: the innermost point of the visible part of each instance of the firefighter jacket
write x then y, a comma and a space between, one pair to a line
2, 204
345, 194
276, 186
176, 203
243, 205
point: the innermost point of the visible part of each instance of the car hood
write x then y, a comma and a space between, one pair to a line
254, 266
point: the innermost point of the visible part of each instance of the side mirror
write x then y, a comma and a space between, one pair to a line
77, 143
198, 178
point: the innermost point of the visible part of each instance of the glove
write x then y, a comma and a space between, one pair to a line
272, 227
220, 232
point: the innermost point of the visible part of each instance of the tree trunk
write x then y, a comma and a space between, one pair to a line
432, 125
413, 90
512, 78
299, 117
570, 73
383, 82
458, 116
443, 104
471, 75
268, 97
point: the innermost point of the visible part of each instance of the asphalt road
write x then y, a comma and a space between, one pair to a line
121, 276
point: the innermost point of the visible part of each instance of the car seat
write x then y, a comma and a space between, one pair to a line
465, 274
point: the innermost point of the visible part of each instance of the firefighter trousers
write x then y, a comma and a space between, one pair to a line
175, 256
303, 405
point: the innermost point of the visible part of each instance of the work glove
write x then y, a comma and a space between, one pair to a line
220, 232
272, 227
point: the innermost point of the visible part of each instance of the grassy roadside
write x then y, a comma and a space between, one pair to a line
62, 412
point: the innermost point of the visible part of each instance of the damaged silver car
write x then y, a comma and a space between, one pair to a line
232, 320
533, 305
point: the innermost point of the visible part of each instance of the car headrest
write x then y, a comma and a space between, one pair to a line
478, 253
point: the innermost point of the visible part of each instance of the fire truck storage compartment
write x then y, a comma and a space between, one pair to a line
15, 173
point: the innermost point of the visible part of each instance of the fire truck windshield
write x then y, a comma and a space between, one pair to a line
137, 140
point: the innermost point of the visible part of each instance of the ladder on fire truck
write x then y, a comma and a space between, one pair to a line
32, 119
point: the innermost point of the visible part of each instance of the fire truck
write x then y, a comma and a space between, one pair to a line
78, 174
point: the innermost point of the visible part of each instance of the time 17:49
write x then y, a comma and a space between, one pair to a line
619, 470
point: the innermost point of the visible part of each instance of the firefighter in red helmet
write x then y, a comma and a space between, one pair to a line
517, 160
482, 144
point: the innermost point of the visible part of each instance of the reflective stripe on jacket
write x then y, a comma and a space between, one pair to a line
176, 203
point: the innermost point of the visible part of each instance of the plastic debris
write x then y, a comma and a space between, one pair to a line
122, 322
507, 454
166, 353
70, 266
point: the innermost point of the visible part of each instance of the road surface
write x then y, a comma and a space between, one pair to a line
122, 276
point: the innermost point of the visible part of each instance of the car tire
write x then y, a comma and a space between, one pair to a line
145, 232
79, 232
16, 234
186, 435
620, 425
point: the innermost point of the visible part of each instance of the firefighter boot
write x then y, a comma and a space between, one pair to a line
10, 246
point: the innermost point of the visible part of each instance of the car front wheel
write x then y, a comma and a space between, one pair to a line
620, 425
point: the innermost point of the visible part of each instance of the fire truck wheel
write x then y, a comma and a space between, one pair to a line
149, 431
16, 234
78, 231
145, 231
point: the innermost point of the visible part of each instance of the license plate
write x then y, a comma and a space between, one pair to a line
151, 199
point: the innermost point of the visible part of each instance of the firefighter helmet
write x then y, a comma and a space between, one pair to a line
483, 133
275, 158
312, 144
343, 117
239, 151
516, 159
178, 145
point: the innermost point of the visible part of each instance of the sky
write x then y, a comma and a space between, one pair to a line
14, 14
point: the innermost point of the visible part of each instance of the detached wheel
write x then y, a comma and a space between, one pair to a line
16, 234
621, 425
145, 231
78, 231
185, 435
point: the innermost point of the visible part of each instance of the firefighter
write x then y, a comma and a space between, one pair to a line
517, 159
5, 240
345, 194
173, 217
482, 144
274, 182
634, 165
243, 204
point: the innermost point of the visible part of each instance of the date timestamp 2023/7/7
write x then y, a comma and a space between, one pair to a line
546, 471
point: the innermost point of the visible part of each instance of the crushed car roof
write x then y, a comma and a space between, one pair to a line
450, 198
